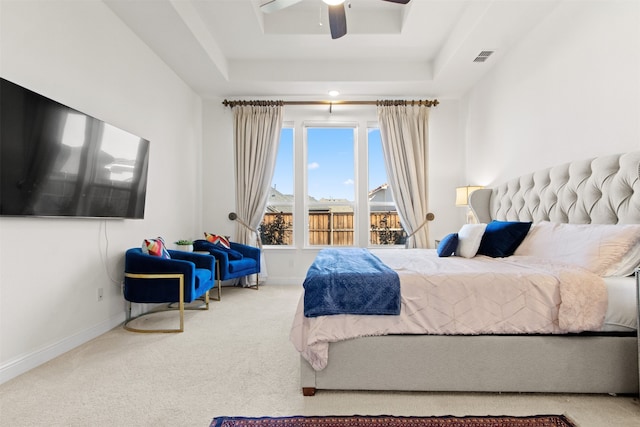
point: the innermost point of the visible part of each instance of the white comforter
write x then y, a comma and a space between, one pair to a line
481, 295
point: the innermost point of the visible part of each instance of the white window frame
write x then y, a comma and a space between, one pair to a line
358, 117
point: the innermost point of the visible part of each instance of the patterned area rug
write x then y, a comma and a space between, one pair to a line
390, 421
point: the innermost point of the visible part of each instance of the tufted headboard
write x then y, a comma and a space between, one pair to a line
601, 190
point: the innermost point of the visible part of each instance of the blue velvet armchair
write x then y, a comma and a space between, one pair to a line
152, 279
238, 261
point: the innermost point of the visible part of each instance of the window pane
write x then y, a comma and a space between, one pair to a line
331, 185
386, 228
277, 224
330, 167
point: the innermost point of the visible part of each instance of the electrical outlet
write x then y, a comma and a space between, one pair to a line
100, 294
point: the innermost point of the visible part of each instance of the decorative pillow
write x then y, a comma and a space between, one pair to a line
603, 249
448, 245
155, 247
502, 238
217, 240
469, 238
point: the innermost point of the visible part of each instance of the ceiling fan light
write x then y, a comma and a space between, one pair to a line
333, 2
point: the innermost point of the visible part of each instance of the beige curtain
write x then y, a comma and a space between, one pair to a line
256, 136
404, 130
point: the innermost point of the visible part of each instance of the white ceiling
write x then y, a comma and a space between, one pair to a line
230, 48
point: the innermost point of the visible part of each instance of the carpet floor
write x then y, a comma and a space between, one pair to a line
390, 421
236, 359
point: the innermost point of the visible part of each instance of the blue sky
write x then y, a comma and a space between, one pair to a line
330, 162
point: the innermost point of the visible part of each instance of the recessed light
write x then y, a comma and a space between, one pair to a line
334, 93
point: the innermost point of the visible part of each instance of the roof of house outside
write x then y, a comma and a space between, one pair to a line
280, 202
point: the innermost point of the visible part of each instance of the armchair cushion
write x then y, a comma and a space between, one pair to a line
202, 276
205, 266
245, 264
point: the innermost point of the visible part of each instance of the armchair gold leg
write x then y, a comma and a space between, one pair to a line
218, 282
257, 285
181, 306
152, 331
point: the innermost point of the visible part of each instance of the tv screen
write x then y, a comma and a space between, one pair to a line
57, 161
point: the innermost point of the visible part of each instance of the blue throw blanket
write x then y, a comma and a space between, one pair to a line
350, 281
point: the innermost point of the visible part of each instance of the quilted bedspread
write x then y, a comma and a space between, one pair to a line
466, 296
350, 281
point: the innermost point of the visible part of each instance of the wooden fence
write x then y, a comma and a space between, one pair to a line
332, 229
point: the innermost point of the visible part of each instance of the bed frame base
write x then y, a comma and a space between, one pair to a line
308, 391
486, 363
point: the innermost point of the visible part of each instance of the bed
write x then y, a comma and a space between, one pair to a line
560, 356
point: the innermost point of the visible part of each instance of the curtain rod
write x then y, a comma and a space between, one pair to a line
426, 102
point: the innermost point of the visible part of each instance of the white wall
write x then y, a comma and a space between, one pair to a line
80, 54
289, 265
446, 168
570, 90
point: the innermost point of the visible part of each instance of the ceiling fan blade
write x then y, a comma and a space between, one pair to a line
337, 21
398, 1
275, 5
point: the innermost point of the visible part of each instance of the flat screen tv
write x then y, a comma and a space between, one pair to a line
58, 162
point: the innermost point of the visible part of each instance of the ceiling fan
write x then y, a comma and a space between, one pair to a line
337, 16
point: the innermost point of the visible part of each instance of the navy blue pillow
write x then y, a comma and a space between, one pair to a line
204, 245
233, 255
502, 238
448, 245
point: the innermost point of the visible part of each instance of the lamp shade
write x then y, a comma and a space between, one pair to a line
462, 194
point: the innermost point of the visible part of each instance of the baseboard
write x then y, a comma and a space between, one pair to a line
287, 280
25, 363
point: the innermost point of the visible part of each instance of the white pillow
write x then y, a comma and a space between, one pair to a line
469, 238
603, 249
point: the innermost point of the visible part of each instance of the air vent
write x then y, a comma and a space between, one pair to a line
482, 56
